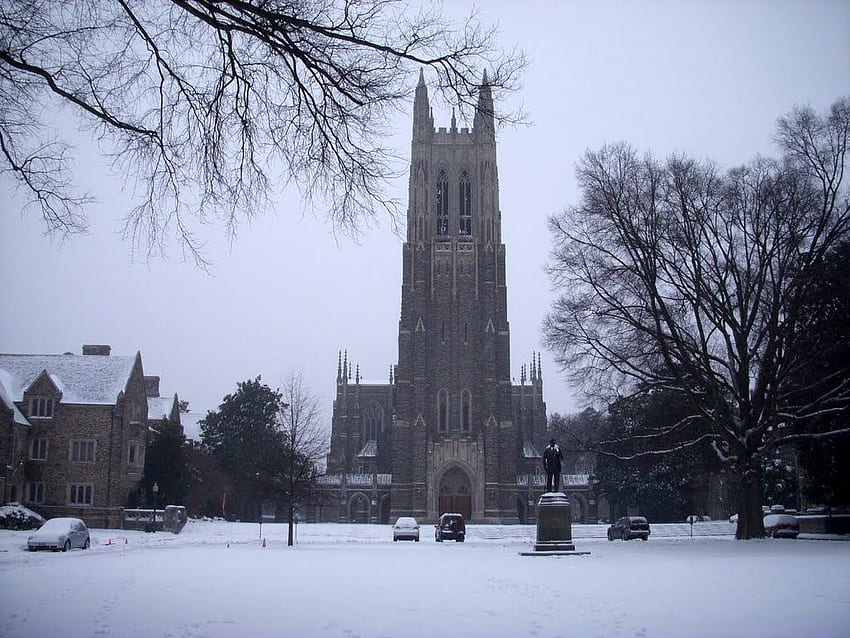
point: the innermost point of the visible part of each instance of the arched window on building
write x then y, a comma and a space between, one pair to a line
442, 203
373, 421
443, 410
465, 202
465, 410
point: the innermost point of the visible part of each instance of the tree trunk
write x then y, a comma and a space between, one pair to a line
291, 538
750, 517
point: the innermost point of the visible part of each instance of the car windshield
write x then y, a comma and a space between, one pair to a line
56, 525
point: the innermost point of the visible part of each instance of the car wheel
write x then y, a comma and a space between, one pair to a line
394, 539
416, 539
87, 544
644, 538
610, 536
460, 539
67, 545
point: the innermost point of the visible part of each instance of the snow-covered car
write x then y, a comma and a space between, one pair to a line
406, 529
450, 527
629, 527
697, 518
60, 533
781, 526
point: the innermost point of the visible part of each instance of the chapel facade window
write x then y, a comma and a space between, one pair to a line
465, 410
465, 199
443, 410
442, 203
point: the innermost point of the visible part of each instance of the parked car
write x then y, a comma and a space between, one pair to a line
629, 527
406, 529
451, 527
697, 518
60, 533
781, 526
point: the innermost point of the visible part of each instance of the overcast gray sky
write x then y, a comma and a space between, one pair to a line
705, 78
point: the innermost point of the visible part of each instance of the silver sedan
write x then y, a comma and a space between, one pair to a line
60, 533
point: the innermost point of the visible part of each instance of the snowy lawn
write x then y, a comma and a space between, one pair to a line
352, 580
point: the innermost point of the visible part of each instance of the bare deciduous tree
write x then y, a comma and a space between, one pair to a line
203, 104
680, 277
303, 444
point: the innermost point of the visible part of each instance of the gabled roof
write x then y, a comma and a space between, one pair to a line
529, 451
85, 379
6, 398
369, 450
160, 408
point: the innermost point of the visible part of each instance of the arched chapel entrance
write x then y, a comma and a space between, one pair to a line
455, 493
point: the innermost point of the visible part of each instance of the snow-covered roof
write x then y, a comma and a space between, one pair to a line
566, 479
6, 398
369, 450
529, 451
159, 408
87, 379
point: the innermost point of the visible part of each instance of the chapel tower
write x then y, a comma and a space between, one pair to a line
455, 442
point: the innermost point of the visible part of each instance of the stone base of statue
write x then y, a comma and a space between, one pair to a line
554, 527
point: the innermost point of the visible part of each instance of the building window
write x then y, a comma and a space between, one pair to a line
80, 494
133, 454
442, 203
373, 421
465, 410
35, 492
38, 449
465, 199
82, 451
443, 410
41, 407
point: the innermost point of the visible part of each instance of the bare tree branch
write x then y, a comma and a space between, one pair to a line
204, 106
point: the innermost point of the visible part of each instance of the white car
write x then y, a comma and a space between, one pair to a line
60, 533
406, 528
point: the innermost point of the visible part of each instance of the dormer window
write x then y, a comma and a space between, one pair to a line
41, 407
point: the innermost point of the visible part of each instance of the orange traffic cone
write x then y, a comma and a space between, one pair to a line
110, 542
228, 546
264, 542
126, 542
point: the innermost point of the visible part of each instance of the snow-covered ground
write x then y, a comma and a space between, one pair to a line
216, 579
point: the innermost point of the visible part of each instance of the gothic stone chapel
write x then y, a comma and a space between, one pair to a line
449, 431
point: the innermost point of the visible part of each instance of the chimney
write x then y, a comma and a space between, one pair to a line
97, 349
152, 386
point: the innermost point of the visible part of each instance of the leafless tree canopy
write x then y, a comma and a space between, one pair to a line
304, 444
675, 275
203, 104
300, 421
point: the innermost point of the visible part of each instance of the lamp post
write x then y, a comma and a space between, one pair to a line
155, 489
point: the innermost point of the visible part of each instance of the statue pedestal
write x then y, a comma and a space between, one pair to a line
554, 527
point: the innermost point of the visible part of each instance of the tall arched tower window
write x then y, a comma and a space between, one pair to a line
465, 199
465, 410
373, 421
442, 203
443, 410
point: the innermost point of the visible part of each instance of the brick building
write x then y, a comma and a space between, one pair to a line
448, 431
74, 431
